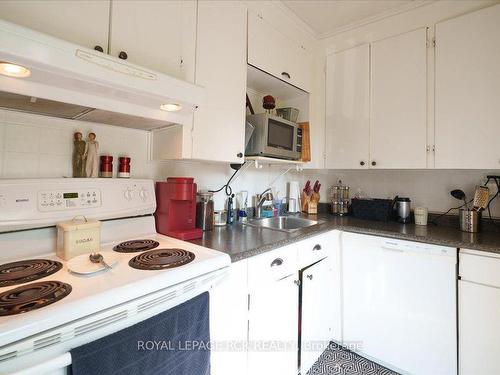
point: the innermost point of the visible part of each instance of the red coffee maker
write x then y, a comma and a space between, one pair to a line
176, 208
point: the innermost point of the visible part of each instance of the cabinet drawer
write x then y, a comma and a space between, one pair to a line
481, 269
272, 266
313, 249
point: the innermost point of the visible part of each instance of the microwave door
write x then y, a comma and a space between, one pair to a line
281, 138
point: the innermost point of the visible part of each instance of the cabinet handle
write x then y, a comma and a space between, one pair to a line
310, 277
99, 48
317, 247
277, 262
296, 282
285, 74
374, 163
123, 55
239, 154
361, 163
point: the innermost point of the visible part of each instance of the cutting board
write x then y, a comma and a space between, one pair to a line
306, 141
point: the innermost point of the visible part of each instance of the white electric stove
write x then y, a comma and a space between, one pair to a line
37, 334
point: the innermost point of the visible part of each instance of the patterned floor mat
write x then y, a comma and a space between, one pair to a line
339, 361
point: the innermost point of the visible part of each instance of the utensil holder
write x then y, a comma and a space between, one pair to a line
470, 220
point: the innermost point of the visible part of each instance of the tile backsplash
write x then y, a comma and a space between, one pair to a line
34, 146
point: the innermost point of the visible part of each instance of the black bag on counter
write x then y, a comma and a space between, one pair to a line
372, 209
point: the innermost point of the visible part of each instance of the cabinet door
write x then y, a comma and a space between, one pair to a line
479, 325
398, 130
348, 108
316, 312
160, 35
273, 328
468, 91
219, 125
272, 51
85, 23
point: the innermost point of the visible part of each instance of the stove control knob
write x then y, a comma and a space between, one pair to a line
128, 194
144, 194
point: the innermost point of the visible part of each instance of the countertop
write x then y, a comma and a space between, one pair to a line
242, 241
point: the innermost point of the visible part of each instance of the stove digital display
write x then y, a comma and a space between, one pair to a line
70, 195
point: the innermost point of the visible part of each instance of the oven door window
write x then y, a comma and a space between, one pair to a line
280, 135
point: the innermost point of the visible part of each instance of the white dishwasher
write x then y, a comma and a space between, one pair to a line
400, 304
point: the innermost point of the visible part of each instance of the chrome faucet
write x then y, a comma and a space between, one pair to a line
266, 195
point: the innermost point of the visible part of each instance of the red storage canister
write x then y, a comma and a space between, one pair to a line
106, 166
124, 168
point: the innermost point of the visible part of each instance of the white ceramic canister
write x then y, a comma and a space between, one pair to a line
78, 236
421, 214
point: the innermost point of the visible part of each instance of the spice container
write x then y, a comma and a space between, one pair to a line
339, 198
106, 169
205, 211
124, 167
78, 236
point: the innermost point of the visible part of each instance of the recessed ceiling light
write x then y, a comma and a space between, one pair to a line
14, 70
171, 107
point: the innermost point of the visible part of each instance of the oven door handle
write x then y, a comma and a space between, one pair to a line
60, 362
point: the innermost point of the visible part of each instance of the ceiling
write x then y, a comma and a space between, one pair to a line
326, 17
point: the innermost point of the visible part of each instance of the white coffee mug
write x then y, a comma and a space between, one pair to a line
421, 214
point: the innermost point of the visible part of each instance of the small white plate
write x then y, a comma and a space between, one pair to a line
83, 266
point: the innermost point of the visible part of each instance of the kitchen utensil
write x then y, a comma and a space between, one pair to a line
78, 236
481, 197
82, 264
288, 113
403, 208
98, 258
205, 210
460, 195
305, 152
470, 220
421, 214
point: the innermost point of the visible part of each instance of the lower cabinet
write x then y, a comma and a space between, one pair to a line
479, 314
315, 312
272, 330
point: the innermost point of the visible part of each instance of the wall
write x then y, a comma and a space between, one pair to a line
41, 146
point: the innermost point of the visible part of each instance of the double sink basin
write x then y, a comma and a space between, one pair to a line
283, 223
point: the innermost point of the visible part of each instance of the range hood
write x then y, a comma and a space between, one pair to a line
74, 82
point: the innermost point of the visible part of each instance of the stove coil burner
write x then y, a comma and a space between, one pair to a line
161, 259
136, 246
27, 270
32, 296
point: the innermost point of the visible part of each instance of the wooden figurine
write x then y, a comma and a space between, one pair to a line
78, 155
91, 157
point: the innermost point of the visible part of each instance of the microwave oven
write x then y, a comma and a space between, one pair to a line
274, 137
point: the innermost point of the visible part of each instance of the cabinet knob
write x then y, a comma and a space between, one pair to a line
361, 163
310, 277
317, 247
99, 48
285, 74
239, 154
277, 262
296, 282
123, 55
374, 163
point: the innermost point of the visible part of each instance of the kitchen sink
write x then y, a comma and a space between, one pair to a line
283, 223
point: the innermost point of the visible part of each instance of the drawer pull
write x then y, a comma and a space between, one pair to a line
277, 262
317, 247
285, 75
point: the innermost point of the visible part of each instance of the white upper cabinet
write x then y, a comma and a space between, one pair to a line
272, 51
85, 23
468, 91
219, 124
348, 108
398, 126
159, 35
